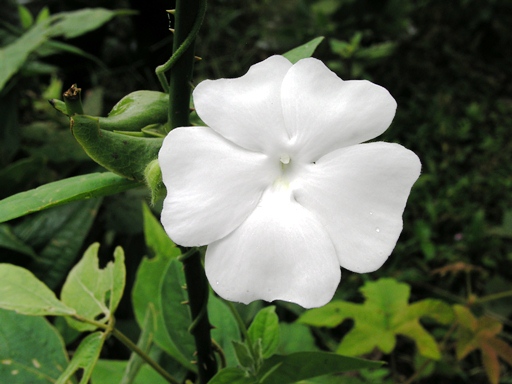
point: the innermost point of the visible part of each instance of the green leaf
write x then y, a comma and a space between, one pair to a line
177, 317
111, 371
31, 350
243, 355
265, 326
385, 314
330, 315
85, 358
304, 365
295, 337
60, 252
63, 191
94, 292
433, 308
43, 15
22, 292
77, 23
9, 240
303, 51
225, 327
232, 376
14, 55
26, 17
156, 239
146, 291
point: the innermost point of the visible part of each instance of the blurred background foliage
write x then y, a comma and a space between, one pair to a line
448, 64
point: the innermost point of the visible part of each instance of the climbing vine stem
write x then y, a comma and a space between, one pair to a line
188, 17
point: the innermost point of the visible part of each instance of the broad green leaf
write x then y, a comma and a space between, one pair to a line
111, 371
176, 314
435, 309
22, 292
52, 47
426, 343
303, 51
243, 355
9, 240
265, 326
364, 337
63, 191
156, 239
147, 291
85, 358
225, 327
232, 376
304, 365
31, 350
385, 314
14, 55
295, 337
388, 295
62, 248
92, 291
76, 23
331, 315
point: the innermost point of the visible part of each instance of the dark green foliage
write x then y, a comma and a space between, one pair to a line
447, 63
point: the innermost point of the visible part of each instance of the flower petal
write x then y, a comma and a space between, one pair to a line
212, 184
247, 110
323, 113
281, 252
359, 194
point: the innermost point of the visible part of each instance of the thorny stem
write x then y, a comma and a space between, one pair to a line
182, 47
189, 15
109, 328
188, 18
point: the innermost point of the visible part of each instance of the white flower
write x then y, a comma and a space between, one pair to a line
278, 185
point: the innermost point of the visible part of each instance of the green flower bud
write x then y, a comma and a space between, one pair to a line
153, 176
125, 155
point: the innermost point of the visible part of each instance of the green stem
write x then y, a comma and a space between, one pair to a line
494, 296
161, 69
73, 100
109, 328
131, 345
198, 291
188, 18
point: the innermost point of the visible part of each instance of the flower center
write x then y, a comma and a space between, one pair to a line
283, 179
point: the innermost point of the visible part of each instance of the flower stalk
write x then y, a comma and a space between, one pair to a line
188, 18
